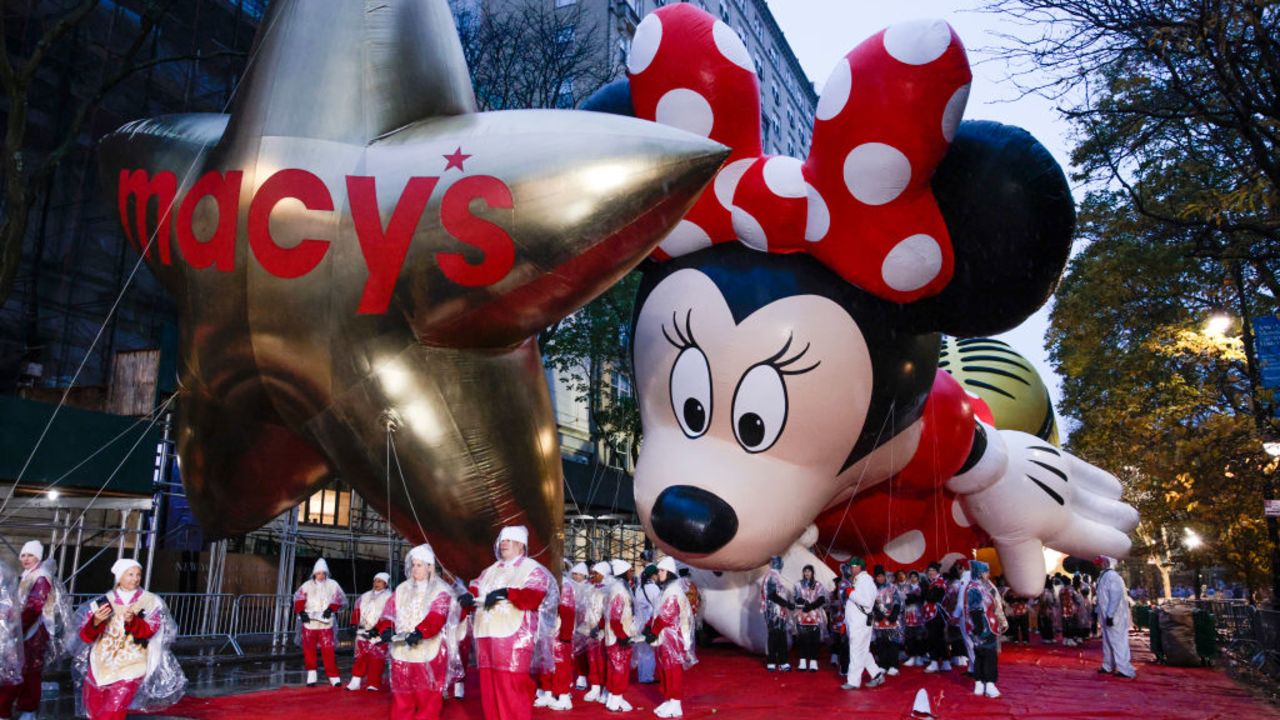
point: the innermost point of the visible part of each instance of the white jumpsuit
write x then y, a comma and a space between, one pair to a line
857, 607
1113, 604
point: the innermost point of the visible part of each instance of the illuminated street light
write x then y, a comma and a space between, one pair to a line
1272, 448
1217, 325
52, 494
1192, 540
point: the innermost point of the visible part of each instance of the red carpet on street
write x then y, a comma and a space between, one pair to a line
1037, 682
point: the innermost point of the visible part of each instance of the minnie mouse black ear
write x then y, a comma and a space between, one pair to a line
1010, 214
613, 98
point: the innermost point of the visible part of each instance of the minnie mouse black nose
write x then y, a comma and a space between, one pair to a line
693, 520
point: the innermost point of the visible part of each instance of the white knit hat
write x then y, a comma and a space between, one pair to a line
620, 567
579, 569
518, 533
668, 563
423, 554
603, 568
33, 547
121, 566
383, 577
320, 566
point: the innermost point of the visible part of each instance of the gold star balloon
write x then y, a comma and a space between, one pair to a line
355, 247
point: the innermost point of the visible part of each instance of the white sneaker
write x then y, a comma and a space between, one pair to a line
335, 681
804, 664
564, 702
892, 671
582, 682
946, 666
933, 667
593, 695
604, 697
979, 688
623, 705
354, 684
543, 699
992, 692
911, 662
611, 704
771, 667
785, 667
675, 710
661, 710
458, 689
311, 678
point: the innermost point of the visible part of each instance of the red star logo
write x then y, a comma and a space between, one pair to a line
455, 159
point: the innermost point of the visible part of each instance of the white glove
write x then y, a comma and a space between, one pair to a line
1027, 494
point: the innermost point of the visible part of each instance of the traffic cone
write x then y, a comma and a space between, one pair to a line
921, 707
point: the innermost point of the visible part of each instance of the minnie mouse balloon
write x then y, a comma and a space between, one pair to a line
356, 249
786, 342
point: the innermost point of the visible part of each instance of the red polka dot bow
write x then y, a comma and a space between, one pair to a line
861, 203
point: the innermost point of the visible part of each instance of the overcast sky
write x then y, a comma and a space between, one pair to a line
822, 31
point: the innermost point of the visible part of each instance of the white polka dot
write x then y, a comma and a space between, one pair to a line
644, 46
726, 183
917, 42
950, 559
912, 263
784, 177
839, 556
819, 220
685, 238
731, 47
954, 112
957, 514
907, 547
876, 173
685, 109
835, 94
749, 230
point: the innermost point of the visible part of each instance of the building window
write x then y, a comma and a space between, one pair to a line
624, 49
327, 507
565, 35
565, 3
777, 96
724, 10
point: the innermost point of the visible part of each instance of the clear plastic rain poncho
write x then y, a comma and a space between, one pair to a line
432, 663
582, 596
775, 615
618, 609
316, 597
509, 639
163, 682
58, 617
11, 656
677, 640
811, 592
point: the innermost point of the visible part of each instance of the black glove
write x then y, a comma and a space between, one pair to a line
141, 642
594, 634
466, 600
140, 614
304, 617
413, 638
1111, 622
328, 613
387, 634
624, 642
494, 597
650, 636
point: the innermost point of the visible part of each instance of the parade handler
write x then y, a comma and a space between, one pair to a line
671, 633
516, 603
418, 623
317, 604
371, 652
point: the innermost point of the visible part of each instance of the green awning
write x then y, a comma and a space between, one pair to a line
74, 436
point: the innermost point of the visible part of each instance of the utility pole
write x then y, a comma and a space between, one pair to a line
1262, 420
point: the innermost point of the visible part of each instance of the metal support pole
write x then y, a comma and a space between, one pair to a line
158, 483
75, 556
124, 528
62, 544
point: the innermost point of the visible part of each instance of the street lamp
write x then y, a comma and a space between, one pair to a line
1217, 325
1192, 541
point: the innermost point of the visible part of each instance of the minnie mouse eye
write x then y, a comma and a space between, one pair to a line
759, 408
691, 391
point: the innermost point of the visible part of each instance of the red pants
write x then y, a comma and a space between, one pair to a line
560, 680
110, 702
582, 663
595, 663
368, 667
619, 674
505, 695
25, 696
417, 704
324, 639
671, 678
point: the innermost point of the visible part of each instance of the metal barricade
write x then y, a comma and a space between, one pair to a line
201, 618
266, 619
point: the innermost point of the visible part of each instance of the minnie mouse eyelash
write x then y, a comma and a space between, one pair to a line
781, 365
684, 337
